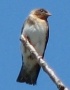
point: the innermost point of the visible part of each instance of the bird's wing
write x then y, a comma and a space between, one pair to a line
46, 40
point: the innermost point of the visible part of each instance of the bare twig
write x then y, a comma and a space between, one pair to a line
43, 64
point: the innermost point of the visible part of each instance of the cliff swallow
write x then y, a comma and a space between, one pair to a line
36, 30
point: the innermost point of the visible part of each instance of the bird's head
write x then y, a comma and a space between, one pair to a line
41, 13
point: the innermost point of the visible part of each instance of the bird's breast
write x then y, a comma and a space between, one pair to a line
37, 36
37, 33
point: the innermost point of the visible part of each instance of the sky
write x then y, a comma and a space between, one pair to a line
12, 16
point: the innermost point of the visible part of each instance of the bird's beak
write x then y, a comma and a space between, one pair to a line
48, 14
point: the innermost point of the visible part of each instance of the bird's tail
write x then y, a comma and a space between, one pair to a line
29, 77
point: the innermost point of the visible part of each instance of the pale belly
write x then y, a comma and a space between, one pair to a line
37, 38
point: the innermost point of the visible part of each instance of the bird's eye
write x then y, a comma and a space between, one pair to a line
41, 10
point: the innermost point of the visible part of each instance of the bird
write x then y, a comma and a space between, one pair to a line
36, 30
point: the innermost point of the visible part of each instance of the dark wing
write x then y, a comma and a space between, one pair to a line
46, 40
22, 32
23, 27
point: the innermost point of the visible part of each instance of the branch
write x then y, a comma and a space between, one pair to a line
43, 64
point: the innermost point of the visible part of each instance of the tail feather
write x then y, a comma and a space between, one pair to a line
29, 77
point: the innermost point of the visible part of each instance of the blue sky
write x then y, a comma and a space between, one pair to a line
12, 15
